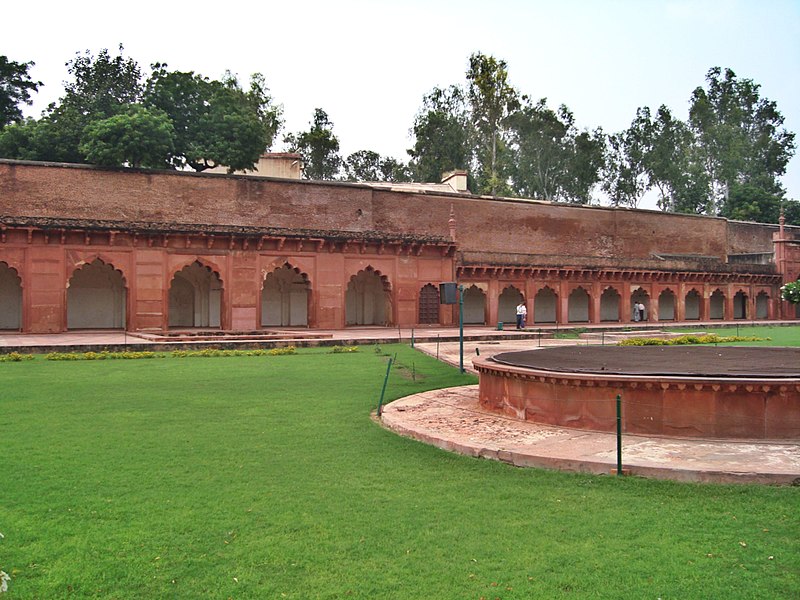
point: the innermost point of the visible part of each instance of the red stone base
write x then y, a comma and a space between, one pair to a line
673, 405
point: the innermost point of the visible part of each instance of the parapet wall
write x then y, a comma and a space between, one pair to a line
486, 228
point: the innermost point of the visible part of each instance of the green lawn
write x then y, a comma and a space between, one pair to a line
778, 336
265, 477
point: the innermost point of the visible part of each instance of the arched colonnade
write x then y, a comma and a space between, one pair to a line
97, 297
551, 303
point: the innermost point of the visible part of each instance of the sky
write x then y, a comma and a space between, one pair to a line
368, 64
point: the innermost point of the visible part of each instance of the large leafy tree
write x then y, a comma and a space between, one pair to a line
318, 146
137, 137
491, 100
739, 136
552, 160
653, 153
442, 135
100, 87
726, 160
212, 122
367, 165
216, 122
16, 87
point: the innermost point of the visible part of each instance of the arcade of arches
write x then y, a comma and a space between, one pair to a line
97, 297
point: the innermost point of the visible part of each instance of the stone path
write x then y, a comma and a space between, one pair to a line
452, 419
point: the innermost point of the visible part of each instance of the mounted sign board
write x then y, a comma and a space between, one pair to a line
448, 293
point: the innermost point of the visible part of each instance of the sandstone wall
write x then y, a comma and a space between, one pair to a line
488, 228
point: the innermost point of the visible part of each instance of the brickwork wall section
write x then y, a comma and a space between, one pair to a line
581, 235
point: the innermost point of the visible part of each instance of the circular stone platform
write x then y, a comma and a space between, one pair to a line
717, 392
697, 361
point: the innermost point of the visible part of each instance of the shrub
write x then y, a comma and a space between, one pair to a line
15, 357
791, 292
343, 349
709, 338
283, 351
104, 355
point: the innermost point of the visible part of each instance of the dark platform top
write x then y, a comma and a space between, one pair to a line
692, 361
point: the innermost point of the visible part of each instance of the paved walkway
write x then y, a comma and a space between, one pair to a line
36, 342
452, 419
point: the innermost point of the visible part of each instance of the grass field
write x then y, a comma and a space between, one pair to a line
774, 335
265, 477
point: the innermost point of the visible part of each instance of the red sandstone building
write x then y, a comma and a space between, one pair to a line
93, 248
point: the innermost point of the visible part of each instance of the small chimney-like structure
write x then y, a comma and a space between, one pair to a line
456, 180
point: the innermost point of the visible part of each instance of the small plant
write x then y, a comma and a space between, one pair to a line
283, 351
343, 349
791, 292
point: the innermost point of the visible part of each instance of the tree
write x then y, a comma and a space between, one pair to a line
551, 159
651, 153
138, 137
101, 87
366, 165
441, 135
491, 100
216, 122
318, 146
16, 86
791, 211
739, 136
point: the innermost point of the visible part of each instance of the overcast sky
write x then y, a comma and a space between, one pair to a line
368, 63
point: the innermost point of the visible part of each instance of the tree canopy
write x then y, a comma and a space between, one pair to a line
318, 146
16, 87
492, 100
109, 113
441, 133
551, 159
725, 160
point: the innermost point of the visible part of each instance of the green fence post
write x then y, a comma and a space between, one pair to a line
383, 391
619, 434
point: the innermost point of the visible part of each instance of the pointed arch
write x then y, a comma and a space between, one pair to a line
640, 296
578, 306
693, 305
609, 304
545, 305
368, 299
474, 306
10, 298
507, 303
666, 305
195, 297
762, 305
716, 304
740, 304
96, 297
285, 295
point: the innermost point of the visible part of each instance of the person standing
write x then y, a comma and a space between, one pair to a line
642, 311
522, 312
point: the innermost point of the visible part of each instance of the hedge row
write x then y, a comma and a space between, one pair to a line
709, 338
